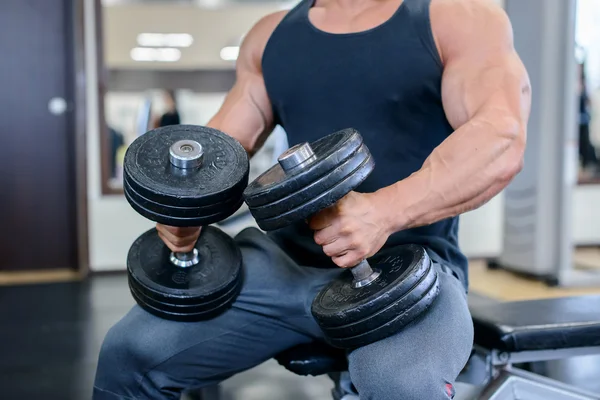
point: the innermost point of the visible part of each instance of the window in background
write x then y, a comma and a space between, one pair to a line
588, 58
151, 49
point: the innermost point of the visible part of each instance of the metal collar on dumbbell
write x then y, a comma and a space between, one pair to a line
186, 154
185, 260
364, 274
299, 155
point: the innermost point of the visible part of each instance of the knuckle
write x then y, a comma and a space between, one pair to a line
338, 261
348, 227
319, 239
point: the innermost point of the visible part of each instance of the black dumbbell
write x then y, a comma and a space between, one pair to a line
185, 176
373, 299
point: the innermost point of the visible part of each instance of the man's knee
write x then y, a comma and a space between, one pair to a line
124, 354
121, 347
417, 384
423, 360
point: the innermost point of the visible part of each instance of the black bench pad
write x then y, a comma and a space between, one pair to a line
547, 324
314, 359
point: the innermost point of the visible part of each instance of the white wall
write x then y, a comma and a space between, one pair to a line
113, 225
211, 29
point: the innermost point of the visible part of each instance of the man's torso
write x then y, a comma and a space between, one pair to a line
376, 69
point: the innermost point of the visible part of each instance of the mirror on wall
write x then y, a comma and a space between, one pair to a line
588, 76
170, 62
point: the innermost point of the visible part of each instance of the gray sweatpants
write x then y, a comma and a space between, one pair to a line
144, 357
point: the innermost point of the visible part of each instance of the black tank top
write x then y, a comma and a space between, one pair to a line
386, 83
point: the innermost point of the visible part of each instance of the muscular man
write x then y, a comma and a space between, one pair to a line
442, 100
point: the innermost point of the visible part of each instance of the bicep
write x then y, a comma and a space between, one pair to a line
246, 113
498, 86
483, 72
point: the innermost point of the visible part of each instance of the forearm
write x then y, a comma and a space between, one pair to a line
467, 170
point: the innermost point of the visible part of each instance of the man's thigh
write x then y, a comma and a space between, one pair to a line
146, 357
424, 359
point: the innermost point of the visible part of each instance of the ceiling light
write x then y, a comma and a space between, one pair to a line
155, 54
210, 4
230, 53
165, 39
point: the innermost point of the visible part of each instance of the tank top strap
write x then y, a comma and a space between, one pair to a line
418, 12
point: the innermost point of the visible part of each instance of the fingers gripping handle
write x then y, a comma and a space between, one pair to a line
299, 156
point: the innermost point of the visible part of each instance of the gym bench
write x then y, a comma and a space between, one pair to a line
505, 334
531, 331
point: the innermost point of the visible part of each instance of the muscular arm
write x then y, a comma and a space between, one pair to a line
486, 96
246, 113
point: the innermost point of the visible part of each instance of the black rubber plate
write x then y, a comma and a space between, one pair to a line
309, 192
320, 201
407, 306
330, 152
152, 274
224, 207
183, 314
205, 307
340, 303
392, 327
224, 169
172, 220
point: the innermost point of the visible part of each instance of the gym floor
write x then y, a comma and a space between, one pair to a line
52, 333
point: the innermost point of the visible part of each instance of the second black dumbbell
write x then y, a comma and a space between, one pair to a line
373, 299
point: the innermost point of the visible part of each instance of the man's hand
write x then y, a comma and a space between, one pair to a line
179, 240
355, 228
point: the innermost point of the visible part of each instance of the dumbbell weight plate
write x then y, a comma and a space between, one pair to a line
172, 220
275, 184
151, 207
394, 325
340, 303
223, 174
402, 311
179, 316
188, 313
298, 199
152, 274
320, 200
204, 307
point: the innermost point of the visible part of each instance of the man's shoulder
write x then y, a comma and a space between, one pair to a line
263, 29
457, 22
464, 15
255, 41
472, 8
